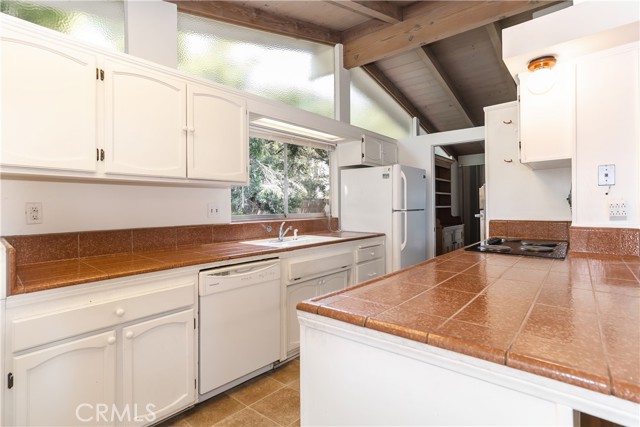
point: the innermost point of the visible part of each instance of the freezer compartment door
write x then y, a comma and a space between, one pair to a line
410, 188
365, 199
409, 241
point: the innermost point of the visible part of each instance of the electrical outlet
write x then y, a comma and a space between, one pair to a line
33, 212
618, 209
213, 211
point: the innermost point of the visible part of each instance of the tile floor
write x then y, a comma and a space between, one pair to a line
272, 399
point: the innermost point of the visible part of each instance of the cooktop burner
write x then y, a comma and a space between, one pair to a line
512, 246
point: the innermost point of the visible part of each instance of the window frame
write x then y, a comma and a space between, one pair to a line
283, 138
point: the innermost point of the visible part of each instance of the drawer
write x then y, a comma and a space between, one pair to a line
368, 253
314, 266
369, 270
37, 330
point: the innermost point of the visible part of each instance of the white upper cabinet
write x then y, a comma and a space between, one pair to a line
217, 138
145, 122
547, 119
48, 104
69, 108
368, 151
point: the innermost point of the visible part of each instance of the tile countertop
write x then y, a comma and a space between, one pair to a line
55, 274
574, 320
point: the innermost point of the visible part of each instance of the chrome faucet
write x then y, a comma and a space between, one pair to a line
281, 233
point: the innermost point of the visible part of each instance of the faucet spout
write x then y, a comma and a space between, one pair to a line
282, 233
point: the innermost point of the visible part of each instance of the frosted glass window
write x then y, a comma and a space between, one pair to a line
372, 108
100, 22
292, 71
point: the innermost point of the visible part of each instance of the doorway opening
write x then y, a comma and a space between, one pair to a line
459, 178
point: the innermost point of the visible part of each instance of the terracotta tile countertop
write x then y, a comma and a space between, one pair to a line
55, 274
574, 320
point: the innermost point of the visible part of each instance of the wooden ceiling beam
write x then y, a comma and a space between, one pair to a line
429, 21
378, 75
495, 36
381, 10
258, 19
429, 59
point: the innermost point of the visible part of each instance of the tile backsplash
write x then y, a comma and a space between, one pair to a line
31, 249
595, 240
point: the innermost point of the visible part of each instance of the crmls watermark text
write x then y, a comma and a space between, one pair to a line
89, 412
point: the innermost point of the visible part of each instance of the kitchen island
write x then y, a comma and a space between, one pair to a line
472, 339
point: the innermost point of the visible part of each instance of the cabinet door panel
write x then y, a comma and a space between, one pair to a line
158, 366
372, 151
334, 282
145, 128
218, 138
62, 385
295, 294
48, 105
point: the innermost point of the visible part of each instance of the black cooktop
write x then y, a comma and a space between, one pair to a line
523, 247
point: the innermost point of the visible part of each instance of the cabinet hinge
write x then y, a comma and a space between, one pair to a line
194, 323
97, 154
101, 74
10, 380
97, 74
195, 383
101, 155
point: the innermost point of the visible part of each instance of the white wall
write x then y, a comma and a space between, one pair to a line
608, 117
72, 206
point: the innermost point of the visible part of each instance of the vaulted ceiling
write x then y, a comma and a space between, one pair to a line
440, 60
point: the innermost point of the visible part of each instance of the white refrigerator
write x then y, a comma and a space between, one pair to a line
390, 200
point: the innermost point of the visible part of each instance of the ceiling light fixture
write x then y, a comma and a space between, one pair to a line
542, 78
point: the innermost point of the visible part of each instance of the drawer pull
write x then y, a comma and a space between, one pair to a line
372, 274
111, 340
120, 312
128, 335
372, 253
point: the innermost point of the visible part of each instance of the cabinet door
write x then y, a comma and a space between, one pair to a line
295, 294
334, 282
158, 366
63, 385
48, 105
371, 151
389, 153
217, 142
145, 127
547, 120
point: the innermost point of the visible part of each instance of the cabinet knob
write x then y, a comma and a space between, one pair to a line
120, 312
372, 253
111, 340
128, 335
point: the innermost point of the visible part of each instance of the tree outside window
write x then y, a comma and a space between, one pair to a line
284, 179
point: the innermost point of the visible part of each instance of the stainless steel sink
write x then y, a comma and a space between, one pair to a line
288, 242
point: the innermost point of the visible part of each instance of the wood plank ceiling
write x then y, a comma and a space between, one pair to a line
440, 60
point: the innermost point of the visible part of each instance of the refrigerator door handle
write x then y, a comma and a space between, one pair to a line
404, 232
403, 179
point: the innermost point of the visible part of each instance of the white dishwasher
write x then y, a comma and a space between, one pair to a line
239, 321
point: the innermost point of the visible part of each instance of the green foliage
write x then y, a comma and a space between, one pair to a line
304, 180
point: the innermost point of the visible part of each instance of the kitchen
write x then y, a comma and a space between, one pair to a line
98, 198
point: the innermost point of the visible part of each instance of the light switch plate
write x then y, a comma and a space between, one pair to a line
606, 175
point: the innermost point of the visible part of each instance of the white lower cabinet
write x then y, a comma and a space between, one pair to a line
157, 363
66, 384
127, 358
305, 290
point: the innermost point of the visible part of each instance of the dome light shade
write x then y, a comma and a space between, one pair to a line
543, 77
